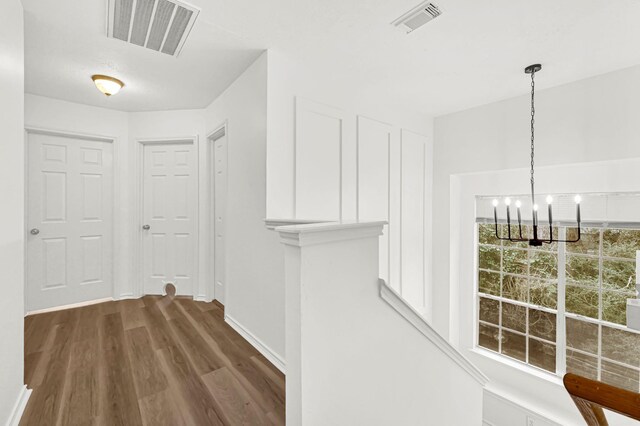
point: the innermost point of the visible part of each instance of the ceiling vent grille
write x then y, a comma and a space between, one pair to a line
418, 16
160, 25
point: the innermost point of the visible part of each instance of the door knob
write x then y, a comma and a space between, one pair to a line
35, 231
146, 227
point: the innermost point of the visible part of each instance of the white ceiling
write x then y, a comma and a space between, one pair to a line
473, 54
66, 43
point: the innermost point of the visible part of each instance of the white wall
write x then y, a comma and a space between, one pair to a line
590, 120
289, 80
12, 212
126, 129
356, 358
259, 108
540, 395
255, 286
333, 156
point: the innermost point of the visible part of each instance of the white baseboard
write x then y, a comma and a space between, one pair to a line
269, 354
202, 298
73, 305
18, 408
127, 296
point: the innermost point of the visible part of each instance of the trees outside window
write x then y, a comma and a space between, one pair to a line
561, 307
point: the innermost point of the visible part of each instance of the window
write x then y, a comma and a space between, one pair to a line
561, 307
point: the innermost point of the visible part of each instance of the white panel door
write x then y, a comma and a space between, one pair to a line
70, 210
220, 209
413, 218
374, 187
319, 142
169, 218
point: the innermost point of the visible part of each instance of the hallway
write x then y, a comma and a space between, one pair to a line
153, 361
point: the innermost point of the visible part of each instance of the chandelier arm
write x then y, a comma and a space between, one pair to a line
514, 240
498, 237
567, 241
576, 239
552, 240
496, 222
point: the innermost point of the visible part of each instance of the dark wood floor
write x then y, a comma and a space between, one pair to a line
152, 361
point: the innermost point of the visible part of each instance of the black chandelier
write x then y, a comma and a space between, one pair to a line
534, 239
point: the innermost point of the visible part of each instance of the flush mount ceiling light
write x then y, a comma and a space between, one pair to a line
107, 85
533, 240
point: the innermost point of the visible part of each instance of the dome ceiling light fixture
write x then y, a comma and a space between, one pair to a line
107, 85
534, 239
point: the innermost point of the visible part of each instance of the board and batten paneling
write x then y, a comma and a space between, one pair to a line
413, 168
378, 190
319, 144
378, 175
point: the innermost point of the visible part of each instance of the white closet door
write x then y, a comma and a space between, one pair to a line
70, 209
169, 218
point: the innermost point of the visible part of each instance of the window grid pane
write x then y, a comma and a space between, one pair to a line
521, 283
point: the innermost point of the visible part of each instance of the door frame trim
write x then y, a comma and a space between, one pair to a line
137, 219
69, 134
115, 205
211, 217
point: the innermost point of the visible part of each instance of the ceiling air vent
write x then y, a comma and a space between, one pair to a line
160, 25
418, 16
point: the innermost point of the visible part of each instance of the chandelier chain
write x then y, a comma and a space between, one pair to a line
533, 113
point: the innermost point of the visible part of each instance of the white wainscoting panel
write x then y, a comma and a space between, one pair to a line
377, 194
320, 140
412, 220
352, 167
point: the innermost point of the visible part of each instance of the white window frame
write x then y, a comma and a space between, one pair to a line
560, 311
